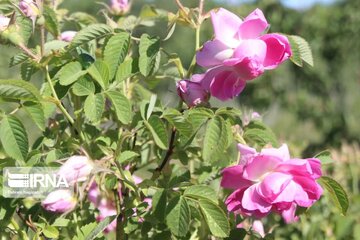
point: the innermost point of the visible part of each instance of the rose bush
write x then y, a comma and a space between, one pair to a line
139, 168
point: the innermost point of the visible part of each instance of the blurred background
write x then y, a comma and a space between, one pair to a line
311, 109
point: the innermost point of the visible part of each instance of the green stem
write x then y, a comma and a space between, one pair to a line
197, 45
58, 102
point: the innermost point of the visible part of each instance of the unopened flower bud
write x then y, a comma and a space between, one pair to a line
29, 8
192, 93
59, 201
119, 7
4, 23
76, 169
68, 36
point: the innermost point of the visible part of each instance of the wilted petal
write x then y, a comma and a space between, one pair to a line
253, 26
226, 25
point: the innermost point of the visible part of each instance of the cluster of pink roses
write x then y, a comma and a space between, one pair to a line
239, 52
270, 181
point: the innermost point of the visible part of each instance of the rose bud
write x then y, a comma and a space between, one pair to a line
119, 7
4, 23
76, 169
29, 8
67, 36
59, 201
192, 92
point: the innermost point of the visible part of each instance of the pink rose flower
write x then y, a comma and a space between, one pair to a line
59, 201
239, 47
68, 36
120, 7
192, 92
76, 169
29, 8
270, 181
4, 22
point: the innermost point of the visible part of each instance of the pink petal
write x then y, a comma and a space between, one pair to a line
293, 192
260, 166
232, 178
281, 152
226, 24
315, 165
253, 201
278, 50
273, 184
258, 227
289, 214
213, 53
253, 26
253, 49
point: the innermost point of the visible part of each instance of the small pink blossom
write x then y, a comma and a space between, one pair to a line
68, 36
29, 8
59, 201
270, 181
239, 52
120, 7
192, 92
76, 169
4, 23
107, 208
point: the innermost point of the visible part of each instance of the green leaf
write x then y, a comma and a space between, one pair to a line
25, 28
116, 50
125, 70
36, 112
177, 120
14, 138
20, 90
325, 157
94, 107
159, 204
7, 210
201, 192
215, 218
158, 131
149, 50
126, 155
337, 193
122, 106
50, 232
99, 71
51, 23
83, 87
259, 133
100, 227
69, 73
215, 140
94, 31
18, 59
301, 51
178, 216
27, 69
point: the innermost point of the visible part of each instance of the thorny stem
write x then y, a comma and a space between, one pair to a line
42, 39
120, 233
197, 45
180, 5
169, 151
201, 8
57, 101
29, 53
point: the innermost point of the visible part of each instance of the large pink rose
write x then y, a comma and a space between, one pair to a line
271, 181
241, 46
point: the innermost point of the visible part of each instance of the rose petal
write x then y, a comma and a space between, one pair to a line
213, 53
254, 24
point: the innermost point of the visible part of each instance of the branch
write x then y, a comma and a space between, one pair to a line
180, 6
169, 151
